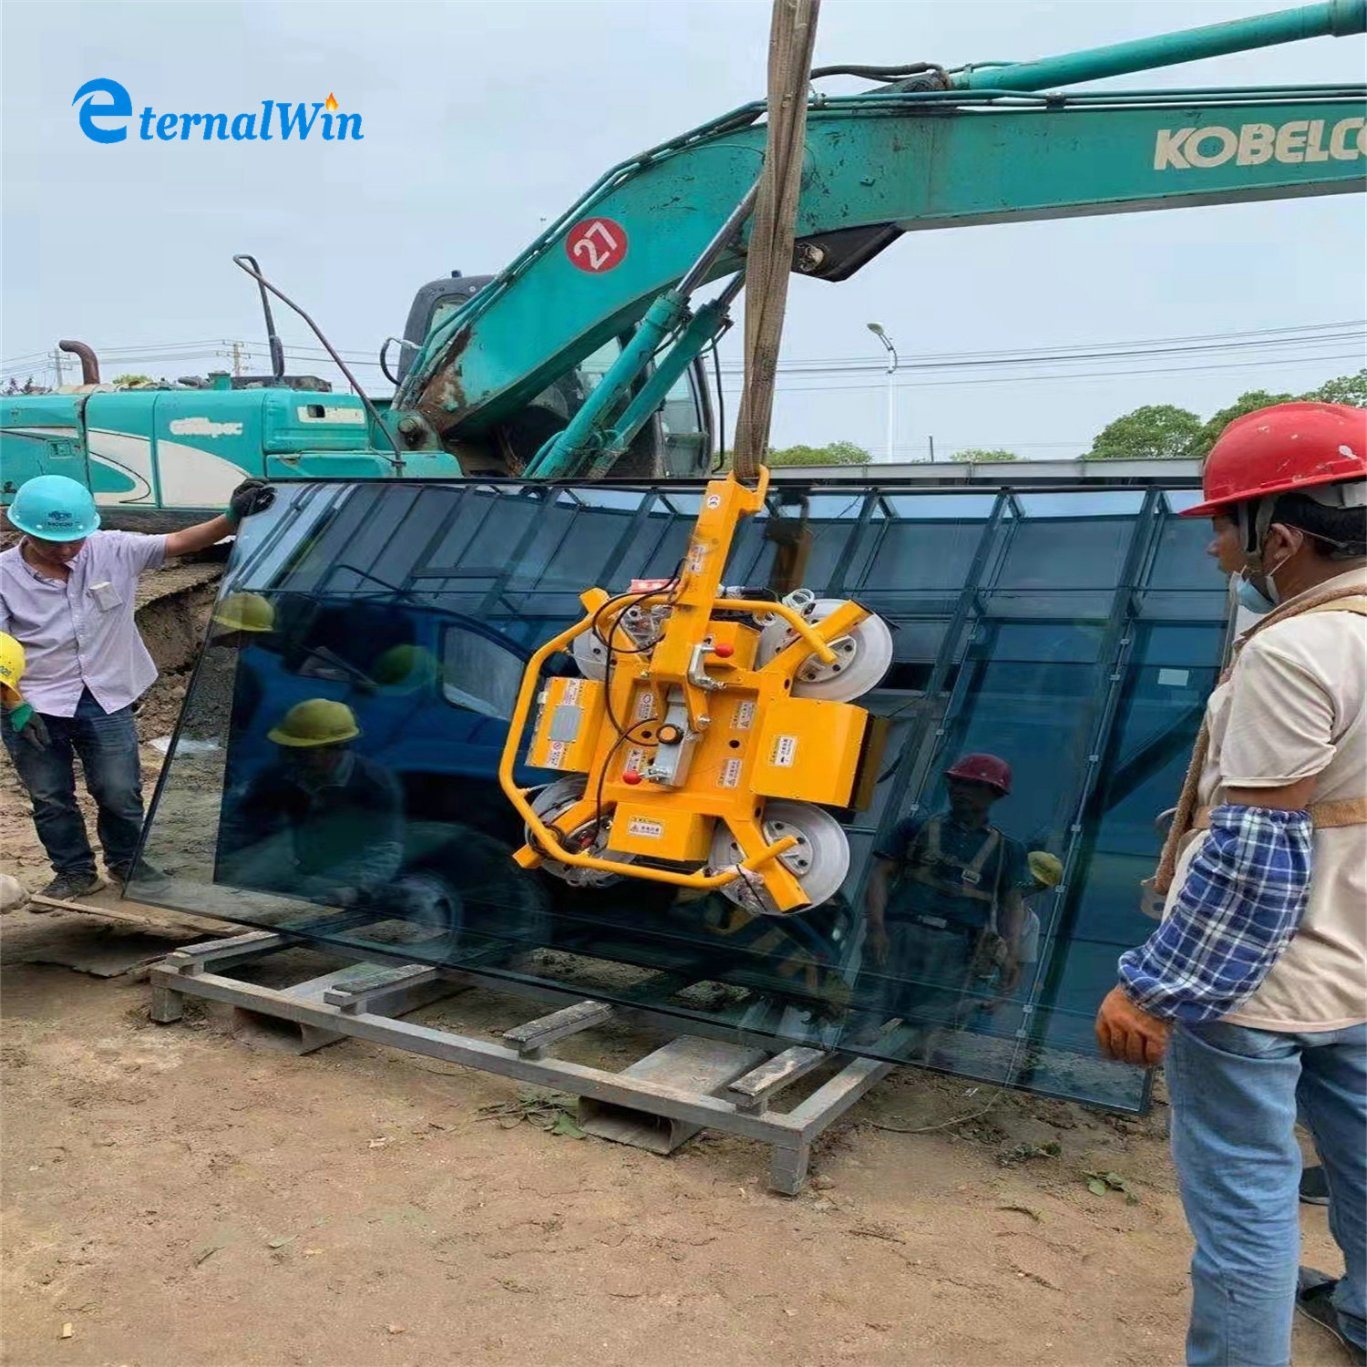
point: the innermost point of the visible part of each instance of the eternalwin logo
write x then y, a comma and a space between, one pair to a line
106, 112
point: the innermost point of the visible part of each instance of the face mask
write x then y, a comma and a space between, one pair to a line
1253, 599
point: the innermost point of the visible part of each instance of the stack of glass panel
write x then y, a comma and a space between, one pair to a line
1073, 634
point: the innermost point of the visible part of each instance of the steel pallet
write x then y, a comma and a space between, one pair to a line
703, 1079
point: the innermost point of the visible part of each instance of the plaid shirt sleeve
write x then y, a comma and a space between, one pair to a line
1237, 911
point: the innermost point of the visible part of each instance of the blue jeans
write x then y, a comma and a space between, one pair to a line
107, 743
1234, 1101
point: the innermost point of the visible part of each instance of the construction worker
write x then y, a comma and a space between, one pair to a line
228, 692
67, 594
240, 617
1005, 1009
327, 824
406, 669
23, 720
1255, 983
943, 899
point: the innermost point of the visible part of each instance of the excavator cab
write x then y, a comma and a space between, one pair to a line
678, 442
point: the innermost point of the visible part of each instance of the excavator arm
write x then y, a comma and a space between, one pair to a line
976, 146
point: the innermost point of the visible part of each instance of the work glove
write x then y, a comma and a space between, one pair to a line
29, 726
251, 496
1128, 1033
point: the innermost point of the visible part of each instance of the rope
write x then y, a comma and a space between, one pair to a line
769, 258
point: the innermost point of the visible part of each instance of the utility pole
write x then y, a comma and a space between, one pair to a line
877, 330
931, 439
237, 358
57, 363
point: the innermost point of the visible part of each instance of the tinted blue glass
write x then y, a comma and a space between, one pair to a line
335, 776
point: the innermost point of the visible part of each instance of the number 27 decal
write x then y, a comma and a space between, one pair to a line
596, 245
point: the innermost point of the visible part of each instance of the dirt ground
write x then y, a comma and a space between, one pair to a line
194, 1195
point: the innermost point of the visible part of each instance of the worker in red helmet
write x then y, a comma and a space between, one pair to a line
944, 900
1255, 983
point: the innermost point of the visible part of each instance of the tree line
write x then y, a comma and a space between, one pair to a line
1160, 431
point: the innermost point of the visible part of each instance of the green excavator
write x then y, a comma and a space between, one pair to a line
582, 357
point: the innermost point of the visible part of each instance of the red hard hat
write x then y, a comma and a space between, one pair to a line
1288, 446
983, 769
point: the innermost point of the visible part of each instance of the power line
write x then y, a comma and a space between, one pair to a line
1038, 358
1065, 375
1063, 352
1144, 346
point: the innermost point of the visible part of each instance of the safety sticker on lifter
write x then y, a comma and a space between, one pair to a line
555, 755
647, 830
745, 715
784, 752
573, 687
730, 774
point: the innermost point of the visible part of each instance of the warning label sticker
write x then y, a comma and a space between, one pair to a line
573, 687
784, 752
745, 716
697, 554
555, 755
649, 830
645, 705
730, 774
635, 758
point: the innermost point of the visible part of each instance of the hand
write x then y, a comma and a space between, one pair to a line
1128, 1033
878, 943
29, 726
251, 496
1010, 975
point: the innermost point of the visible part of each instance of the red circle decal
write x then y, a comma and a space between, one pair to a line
596, 245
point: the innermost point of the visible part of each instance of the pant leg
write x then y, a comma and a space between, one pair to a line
1333, 1092
49, 777
931, 968
107, 743
1233, 1093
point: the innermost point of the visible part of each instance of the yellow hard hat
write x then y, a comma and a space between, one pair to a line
319, 721
11, 664
1045, 868
245, 612
405, 667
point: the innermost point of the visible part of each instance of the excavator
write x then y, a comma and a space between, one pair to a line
581, 357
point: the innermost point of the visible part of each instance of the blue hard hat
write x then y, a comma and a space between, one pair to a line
54, 508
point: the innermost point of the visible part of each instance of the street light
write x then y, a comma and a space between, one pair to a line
877, 330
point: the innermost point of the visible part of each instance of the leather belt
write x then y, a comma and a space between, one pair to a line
1345, 811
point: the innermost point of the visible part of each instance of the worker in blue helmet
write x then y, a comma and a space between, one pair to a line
67, 595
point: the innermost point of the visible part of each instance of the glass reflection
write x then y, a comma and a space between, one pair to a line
334, 771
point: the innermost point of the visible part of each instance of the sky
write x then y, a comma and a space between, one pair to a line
483, 120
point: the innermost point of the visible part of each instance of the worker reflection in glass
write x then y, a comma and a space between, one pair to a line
406, 669
326, 823
1004, 1011
944, 908
228, 694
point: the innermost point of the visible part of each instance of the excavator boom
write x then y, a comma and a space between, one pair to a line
978, 147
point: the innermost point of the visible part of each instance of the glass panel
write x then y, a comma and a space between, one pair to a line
343, 784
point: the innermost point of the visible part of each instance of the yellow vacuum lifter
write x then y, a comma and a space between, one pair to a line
706, 733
